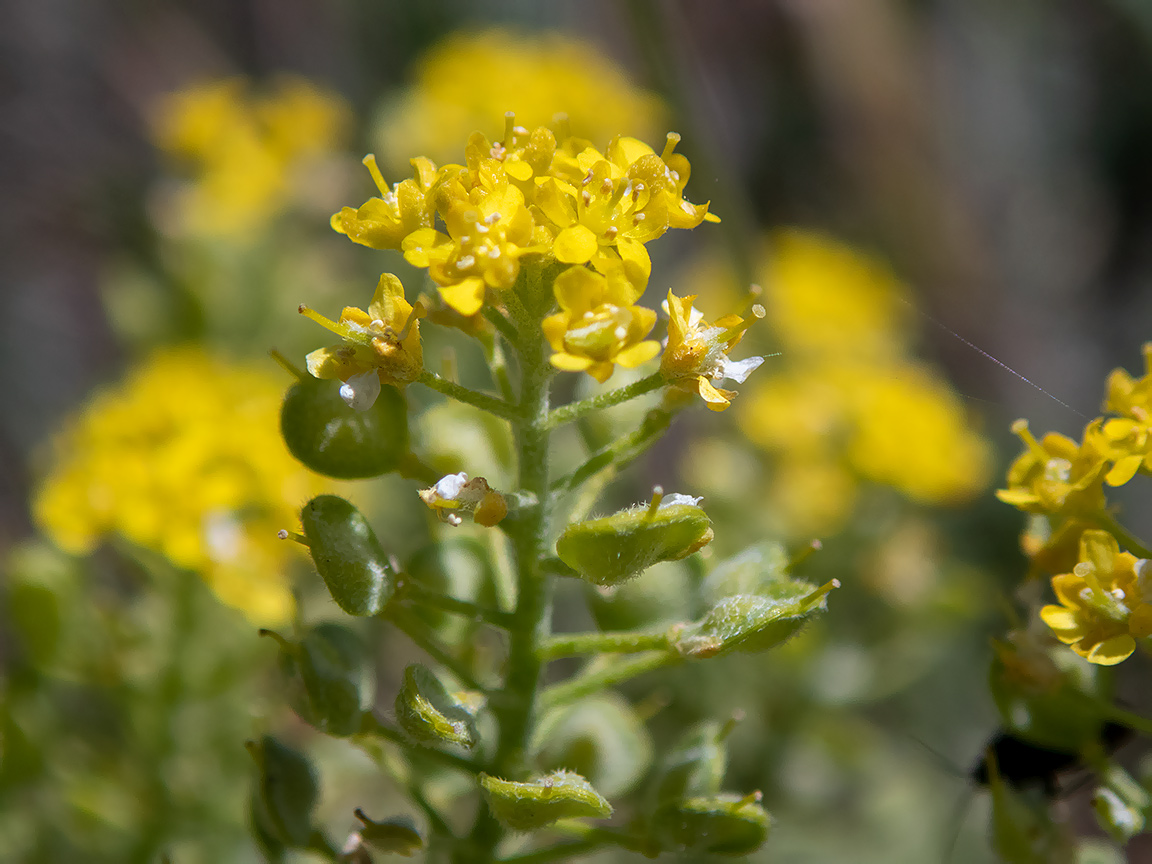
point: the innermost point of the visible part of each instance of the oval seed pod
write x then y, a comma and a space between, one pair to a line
695, 766
612, 549
429, 713
540, 802
325, 677
724, 824
600, 738
348, 556
750, 623
331, 438
286, 792
396, 836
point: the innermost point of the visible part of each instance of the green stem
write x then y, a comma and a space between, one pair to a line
603, 677
321, 845
503, 326
561, 851
483, 401
1129, 541
619, 642
619, 453
575, 410
423, 597
436, 651
532, 616
370, 725
411, 468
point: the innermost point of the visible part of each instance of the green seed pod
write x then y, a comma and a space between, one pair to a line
286, 792
430, 714
600, 738
392, 836
761, 569
348, 556
271, 848
750, 623
612, 549
695, 766
540, 802
325, 677
724, 824
331, 438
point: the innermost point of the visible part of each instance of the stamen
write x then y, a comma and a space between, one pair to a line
418, 312
670, 145
657, 497
563, 127
509, 128
327, 323
377, 177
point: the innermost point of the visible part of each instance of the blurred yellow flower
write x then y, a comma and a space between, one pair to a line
243, 150
1132, 397
1103, 602
470, 79
185, 458
1055, 476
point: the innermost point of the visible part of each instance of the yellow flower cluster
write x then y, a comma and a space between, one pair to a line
846, 401
469, 78
185, 458
1103, 599
244, 151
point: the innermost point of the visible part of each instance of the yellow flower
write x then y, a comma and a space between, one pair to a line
598, 325
1129, 397
1122, 441
244, 151
185, 458
1055, 476
384, 222
1103, 602
696, 353
469, 78
381, 346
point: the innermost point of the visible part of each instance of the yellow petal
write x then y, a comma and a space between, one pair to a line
1112, 651
642, 352
1124, 470
575, 245
570, 362
388, 302
339, 361
465, 297
1062, 623
578, 290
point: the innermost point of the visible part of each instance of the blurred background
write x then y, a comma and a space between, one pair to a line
906, 180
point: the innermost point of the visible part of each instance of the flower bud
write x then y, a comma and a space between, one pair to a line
600, 738
750, 623
612, 549
324, 675
430, 714
392, 836
348, 556
286, 792
540, 802
725, 824
331, 438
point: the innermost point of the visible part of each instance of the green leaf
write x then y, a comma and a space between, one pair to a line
612, 549
331, 438
540, 802
761, 570
348, 556
430, 714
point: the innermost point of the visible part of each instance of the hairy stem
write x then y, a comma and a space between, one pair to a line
483, 401
575, 410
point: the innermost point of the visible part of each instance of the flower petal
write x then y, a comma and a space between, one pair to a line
1112, 651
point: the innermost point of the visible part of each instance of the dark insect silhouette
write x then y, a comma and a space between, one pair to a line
1021, 763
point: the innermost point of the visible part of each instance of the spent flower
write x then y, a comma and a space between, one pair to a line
697, 352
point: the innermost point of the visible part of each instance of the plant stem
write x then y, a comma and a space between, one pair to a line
604, 676
503, 326
619, 642
423, 597
436, 651
532, 616
1129, 541
619, 453
483, 401
575, 410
